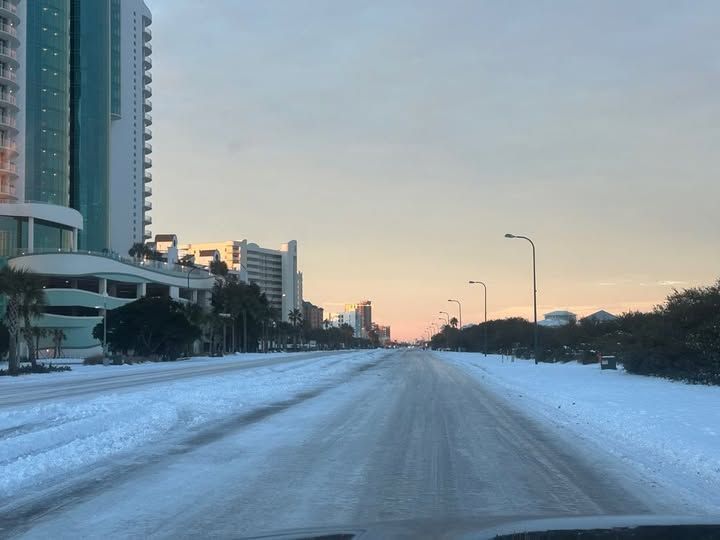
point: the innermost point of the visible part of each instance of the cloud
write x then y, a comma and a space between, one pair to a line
663, 283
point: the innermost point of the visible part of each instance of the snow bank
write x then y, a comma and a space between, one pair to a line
42, 443
669, 431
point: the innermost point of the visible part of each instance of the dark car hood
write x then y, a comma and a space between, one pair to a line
616, 527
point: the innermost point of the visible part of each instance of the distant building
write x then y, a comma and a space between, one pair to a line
383, 333
273, 270
600, 316
363, 311
313, 315
336, 320
558, 318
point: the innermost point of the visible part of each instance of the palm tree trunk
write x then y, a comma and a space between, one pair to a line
29, 342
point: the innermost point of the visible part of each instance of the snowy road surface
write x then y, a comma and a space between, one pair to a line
333, 440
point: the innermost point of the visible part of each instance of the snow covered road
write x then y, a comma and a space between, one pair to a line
343, 439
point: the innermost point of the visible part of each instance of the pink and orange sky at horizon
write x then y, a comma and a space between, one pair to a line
399, 141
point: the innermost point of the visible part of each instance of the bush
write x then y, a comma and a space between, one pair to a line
39, 368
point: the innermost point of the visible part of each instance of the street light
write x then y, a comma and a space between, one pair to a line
508, 235
447, 315
485, 325
459, 312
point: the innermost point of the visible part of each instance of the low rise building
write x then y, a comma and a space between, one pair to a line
558, 318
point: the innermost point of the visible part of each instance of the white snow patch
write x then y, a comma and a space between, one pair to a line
42, 443
667, 430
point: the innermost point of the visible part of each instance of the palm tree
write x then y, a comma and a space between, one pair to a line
25, 300
58, 336
295, 317
453, 322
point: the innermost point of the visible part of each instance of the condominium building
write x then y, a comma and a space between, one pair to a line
313, 315
363, 312
274, 271
73, 158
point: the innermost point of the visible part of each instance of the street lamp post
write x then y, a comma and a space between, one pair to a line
485, 325
447, 315
508, 235
459, 312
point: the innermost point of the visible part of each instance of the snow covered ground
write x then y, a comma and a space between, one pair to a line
44, 442
669, 431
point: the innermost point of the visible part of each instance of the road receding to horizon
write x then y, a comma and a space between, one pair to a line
335, 440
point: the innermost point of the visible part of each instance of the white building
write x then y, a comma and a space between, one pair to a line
55, 195
130, 133
273, 270
558, 318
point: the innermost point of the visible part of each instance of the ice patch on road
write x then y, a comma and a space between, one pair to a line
667, 430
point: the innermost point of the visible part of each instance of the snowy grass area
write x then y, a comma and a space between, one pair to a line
667, 430
45, 442
81, 371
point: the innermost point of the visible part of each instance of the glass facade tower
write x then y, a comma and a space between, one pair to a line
90, 118
47, 102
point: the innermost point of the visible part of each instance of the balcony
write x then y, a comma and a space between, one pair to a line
8, 148
7, 191
9, 29
147, 105
8, 55
147, 220
8, 99
147, 148
147, 77
147, 33
8, 122
147, 91
147, 191
148, 134
147, 47
147, 162
147, 177
147, 235
9, 11
147, 205
8, 77
8, 168
147, 62
147, 119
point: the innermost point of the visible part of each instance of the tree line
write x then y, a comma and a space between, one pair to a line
679, 339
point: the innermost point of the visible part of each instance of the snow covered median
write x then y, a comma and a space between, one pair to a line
669, 431
45, 442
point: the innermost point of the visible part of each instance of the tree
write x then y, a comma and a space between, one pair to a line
58, 336
247, 306
149, 326
187, 260
219, 268
140, 250
25, 300
295, 317
454, 322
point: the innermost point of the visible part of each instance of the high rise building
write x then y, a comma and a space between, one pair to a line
73, 91
313, 315
273, 270
74, 107
130, 133
363, 312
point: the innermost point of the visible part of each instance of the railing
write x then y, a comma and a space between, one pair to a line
148, 161
7, 121
161, 266
8, 167
8, 145
7, 51
148, 133
148, 118
8, 98
9, 29
148, 147
147, 104
147, 191
147, 205
9, 6
148, 176
7, 189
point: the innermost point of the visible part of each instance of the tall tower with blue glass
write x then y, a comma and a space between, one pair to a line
90, 110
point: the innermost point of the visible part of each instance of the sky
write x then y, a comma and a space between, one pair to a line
398, 141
